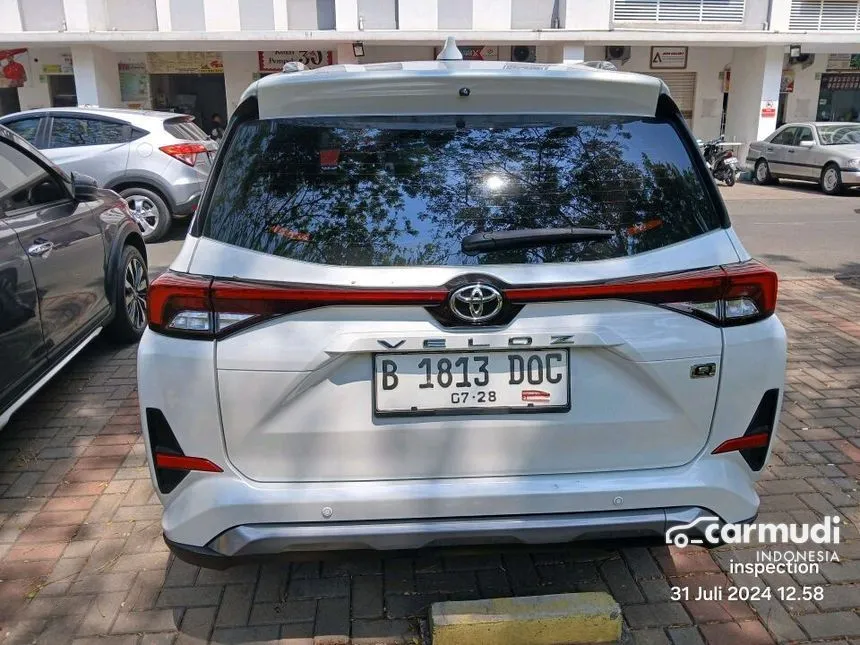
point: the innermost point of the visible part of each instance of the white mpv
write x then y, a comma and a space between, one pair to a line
456, 302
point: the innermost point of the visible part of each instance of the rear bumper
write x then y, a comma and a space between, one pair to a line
228, 513
240, 543
186, 208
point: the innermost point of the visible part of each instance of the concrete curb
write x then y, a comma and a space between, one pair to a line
578, 618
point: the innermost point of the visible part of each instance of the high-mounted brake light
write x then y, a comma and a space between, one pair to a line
184, 152
203, 307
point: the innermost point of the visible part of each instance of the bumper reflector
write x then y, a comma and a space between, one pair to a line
743, 443
181, 462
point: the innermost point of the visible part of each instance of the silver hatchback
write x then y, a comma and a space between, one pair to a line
158, 161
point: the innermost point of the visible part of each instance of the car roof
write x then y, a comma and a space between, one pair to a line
116, 113
461, 87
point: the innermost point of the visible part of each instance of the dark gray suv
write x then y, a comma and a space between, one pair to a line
72, 262
158, 161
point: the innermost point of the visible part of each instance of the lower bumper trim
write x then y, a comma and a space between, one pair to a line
258, 539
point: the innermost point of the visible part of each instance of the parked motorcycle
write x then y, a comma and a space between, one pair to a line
721, 161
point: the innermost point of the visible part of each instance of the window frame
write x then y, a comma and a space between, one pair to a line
40, 127
776, 135
49, 128
50, 173
800, 129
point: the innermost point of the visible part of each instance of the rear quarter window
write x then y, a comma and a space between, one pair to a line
389, 191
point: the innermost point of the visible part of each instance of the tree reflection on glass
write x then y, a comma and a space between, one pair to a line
406, 191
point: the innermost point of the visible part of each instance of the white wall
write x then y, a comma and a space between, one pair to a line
239, 69
707, 62
345, 15
780, 12
491, 15
221, 15
802, 104
418, 15
587, 15
10, 16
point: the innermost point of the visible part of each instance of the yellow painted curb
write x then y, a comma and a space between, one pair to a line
561, 619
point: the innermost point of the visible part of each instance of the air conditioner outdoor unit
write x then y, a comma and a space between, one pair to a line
618, 52
523, 53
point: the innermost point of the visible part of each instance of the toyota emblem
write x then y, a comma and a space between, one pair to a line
476, 303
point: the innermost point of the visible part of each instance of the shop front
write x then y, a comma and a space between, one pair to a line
13, 74
183, 82
839, 96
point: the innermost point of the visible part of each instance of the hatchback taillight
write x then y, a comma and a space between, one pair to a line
184, 152
205, 307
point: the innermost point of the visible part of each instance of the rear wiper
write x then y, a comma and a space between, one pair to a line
530, 237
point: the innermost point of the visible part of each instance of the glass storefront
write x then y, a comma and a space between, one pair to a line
839, 97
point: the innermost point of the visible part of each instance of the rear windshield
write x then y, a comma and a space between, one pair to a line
382, 191
185, 129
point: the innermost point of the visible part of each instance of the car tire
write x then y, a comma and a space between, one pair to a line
761, 174
831, 179
149, 211
130, 290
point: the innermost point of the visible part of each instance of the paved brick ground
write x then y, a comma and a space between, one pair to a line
82, 560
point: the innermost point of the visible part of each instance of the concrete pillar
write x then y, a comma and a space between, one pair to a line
239, 69
419, 16
10, 15
586, 15
162, 13
780, 11
345, 56
573, 53
280, 14
221, 16
491, 15
754, 91
346, 15
96, 76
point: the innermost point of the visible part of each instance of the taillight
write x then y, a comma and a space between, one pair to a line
184, 152
203, 307
733, 294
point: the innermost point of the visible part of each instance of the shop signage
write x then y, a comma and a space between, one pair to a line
13, 67
65, 66
273, 61
768, 109
475, 52
837, 62
668, 58
840, 82
184, 63
133, 82
786, 85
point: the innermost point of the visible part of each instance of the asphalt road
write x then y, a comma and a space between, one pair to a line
793, 227
796, 229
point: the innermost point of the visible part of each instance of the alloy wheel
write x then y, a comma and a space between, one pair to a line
144, 212
761, 172
831, 179
135, 290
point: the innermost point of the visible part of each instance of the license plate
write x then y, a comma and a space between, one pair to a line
471, 382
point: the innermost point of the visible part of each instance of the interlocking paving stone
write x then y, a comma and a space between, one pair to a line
84, 563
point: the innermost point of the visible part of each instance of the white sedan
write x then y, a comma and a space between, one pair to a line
826, 153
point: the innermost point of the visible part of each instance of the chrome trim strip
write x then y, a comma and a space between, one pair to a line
257, 539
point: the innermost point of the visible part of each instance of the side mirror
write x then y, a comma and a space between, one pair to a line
85, 187
807, 144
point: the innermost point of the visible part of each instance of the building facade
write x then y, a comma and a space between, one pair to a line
737, 67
